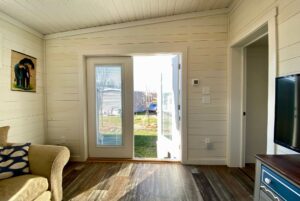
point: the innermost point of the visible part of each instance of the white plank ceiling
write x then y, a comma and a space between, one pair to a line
53, 16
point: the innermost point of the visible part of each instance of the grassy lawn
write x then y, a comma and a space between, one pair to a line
145, 133
145, 146
143, 125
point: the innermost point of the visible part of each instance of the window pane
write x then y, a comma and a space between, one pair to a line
109, 105
167, 105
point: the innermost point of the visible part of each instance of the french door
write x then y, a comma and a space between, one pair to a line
110, 107
169, 137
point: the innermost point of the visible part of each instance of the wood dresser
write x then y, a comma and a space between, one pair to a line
277, 178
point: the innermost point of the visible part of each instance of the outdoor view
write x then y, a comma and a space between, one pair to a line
147, 86
109, 105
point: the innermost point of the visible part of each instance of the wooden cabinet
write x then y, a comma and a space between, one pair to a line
277, 178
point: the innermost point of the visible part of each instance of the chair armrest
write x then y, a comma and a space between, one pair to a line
48, 161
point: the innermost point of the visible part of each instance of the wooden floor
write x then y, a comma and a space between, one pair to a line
117, 181
220, 183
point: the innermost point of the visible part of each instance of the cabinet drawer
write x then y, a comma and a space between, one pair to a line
264, 197
284, 189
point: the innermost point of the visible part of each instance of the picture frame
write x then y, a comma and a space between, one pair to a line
23, 72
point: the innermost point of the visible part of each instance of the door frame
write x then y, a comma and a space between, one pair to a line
140, 50
236, 138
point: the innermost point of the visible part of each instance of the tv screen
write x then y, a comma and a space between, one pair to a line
287, 111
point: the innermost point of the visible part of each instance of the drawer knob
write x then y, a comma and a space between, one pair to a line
267, 180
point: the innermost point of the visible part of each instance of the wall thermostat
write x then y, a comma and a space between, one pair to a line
195, 82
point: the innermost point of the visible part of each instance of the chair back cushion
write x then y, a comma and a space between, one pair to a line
14, 160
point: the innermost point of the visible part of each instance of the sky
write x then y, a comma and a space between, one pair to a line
147, 70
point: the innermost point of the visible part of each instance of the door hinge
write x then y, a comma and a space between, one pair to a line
178, 107
179, 66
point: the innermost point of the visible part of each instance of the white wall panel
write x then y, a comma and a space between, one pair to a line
22, 111
206, 40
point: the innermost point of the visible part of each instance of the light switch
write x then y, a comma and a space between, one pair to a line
206, 99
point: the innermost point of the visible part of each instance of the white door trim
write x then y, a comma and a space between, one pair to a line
140, 50
236, 68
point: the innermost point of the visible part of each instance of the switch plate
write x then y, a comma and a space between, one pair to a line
206, 99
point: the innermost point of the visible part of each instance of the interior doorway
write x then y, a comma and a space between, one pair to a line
256, 99
156, 107
236, 86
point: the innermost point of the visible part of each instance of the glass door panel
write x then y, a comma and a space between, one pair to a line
109, 105
167, 102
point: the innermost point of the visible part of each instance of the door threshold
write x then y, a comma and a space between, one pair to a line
132, 160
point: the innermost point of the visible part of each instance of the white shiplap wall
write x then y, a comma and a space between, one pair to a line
206, 41
24, 112
288, 22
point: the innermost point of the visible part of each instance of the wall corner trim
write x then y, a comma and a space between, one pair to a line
257, 25
20, 25
137, 23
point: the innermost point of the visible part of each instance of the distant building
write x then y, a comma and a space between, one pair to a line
112, 104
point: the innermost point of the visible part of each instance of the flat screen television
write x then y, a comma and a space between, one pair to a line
287, 111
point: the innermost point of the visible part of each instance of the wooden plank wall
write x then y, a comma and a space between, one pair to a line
206, 40
288, 20
24, 112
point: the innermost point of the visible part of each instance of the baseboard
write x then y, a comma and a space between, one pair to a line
205, 161
131, 160
77, 158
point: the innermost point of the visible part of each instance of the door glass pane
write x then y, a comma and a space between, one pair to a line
109, 105
167, 102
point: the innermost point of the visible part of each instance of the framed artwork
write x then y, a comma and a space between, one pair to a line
23, 72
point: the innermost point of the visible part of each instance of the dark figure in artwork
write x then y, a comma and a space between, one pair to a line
18, 75
22, 73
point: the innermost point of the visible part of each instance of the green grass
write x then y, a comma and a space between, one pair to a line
145, 146
145, 133
143, 125
15, 87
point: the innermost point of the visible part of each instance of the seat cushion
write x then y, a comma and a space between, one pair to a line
26, 187
46, 196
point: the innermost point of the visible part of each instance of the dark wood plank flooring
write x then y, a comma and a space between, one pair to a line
127, 181
249, 170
